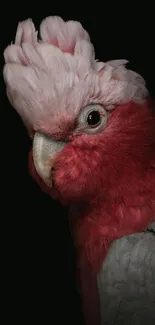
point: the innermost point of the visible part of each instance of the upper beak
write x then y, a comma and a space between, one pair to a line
45, 150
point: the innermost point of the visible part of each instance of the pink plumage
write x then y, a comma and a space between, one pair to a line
106, 175
45, 80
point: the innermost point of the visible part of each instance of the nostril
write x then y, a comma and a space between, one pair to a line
52, 171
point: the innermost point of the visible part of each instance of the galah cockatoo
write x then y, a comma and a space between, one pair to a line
93, 130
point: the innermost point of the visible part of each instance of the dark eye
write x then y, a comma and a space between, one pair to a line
93, 118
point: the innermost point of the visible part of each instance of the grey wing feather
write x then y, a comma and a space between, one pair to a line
126, 281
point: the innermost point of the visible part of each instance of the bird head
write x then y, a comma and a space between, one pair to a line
88, 119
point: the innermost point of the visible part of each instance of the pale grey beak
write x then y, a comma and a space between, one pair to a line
45, 150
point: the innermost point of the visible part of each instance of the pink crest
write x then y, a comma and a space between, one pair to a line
64, 35
58, 74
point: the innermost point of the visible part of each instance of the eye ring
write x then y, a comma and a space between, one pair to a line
96, 122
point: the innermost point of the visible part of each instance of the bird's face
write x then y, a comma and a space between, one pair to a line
101, 154
69, 159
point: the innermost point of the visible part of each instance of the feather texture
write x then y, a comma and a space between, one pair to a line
126, 281
107, 178
59, 75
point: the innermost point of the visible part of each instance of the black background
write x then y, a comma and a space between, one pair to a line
38, 253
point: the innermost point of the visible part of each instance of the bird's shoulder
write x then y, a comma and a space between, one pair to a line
131, 257
126, 280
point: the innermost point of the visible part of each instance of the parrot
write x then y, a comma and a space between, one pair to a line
92, 125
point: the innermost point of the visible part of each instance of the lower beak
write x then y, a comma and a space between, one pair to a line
45, 150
